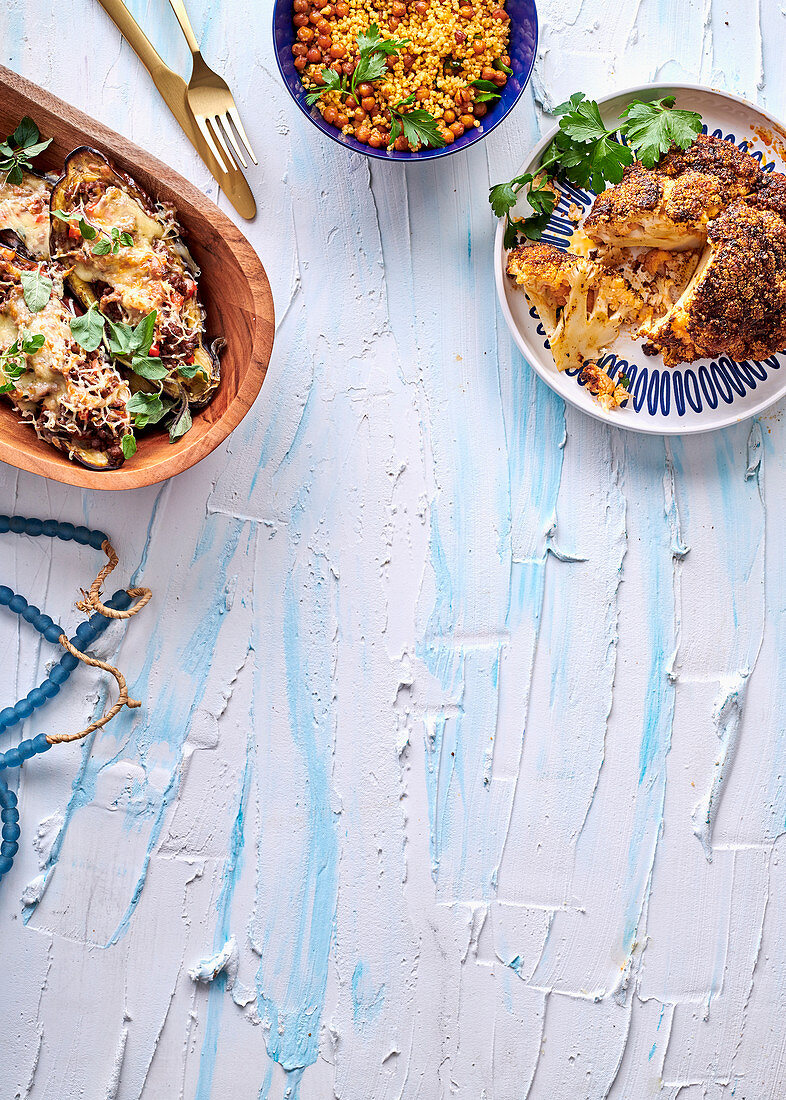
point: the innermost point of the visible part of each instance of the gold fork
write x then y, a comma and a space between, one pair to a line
211, 101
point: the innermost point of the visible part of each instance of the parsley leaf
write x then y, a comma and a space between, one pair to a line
652, 128
420, 128
333, 83
37, 289
88, 330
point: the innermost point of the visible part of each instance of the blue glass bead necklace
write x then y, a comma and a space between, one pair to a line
119, 607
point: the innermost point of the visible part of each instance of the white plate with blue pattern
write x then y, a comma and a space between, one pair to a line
693, 397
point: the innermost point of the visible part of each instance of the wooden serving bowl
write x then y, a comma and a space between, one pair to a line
233, 287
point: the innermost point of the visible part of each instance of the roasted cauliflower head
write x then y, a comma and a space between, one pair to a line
735, 304
581, 304
671, 205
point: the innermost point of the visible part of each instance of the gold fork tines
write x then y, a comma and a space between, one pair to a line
212, 103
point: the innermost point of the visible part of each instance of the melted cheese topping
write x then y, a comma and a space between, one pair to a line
24, 208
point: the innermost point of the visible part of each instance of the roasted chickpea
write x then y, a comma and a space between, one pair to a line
501, 15
300, 64
401, 145
456, 129
480, 110
342, 10
363, 133
466, 11
467, 121
421, 94
305, 34
375, 141
368, 103
300, 20
364, 90
324, 41
500, 79
487, 73
315, 18
329, 114
359, 116
394, 23
348, 68
327, 11
337, 52
448, 137
420, 7
459, 37
399, 9
478, 47
314, 56
342, 121
299, 50
448, 117
408, 61
300, 6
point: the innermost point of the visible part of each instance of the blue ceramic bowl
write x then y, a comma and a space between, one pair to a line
523, 44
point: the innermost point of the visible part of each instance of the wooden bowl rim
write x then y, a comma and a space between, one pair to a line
125, 152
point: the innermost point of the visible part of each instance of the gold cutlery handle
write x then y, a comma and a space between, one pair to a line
179, 8
135, 36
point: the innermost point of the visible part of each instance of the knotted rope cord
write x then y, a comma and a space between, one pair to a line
91, 601
123, 699
86, 633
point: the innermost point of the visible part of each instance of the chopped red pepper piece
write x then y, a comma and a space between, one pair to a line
154, 349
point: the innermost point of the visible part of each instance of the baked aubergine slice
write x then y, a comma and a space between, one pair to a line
131, 260
74, 399
24, 213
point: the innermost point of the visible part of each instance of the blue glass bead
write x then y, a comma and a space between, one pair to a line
7, 716
7, 799
41, 744
5, 524
31, 613
49, 528
84, 630
42, 622
36, 698
52, 633
69, 662
97, 539
49, 688
5, 865
17, 524
59, 674
25, 749
82, 535
35, 527
17, 604
6, 595
10, 813
65, 531
9, 848
11, 832
11, 758
24, 708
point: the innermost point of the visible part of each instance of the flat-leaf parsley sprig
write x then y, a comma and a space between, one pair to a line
418, 127
587, 153
373, 53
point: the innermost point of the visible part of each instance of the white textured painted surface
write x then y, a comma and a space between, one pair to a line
461, 765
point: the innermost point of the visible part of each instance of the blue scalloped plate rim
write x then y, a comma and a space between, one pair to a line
694, 397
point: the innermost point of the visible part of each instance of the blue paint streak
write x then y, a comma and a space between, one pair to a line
367, 1002
293, 1038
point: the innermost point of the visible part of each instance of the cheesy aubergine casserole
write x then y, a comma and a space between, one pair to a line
689, 255
102, 332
